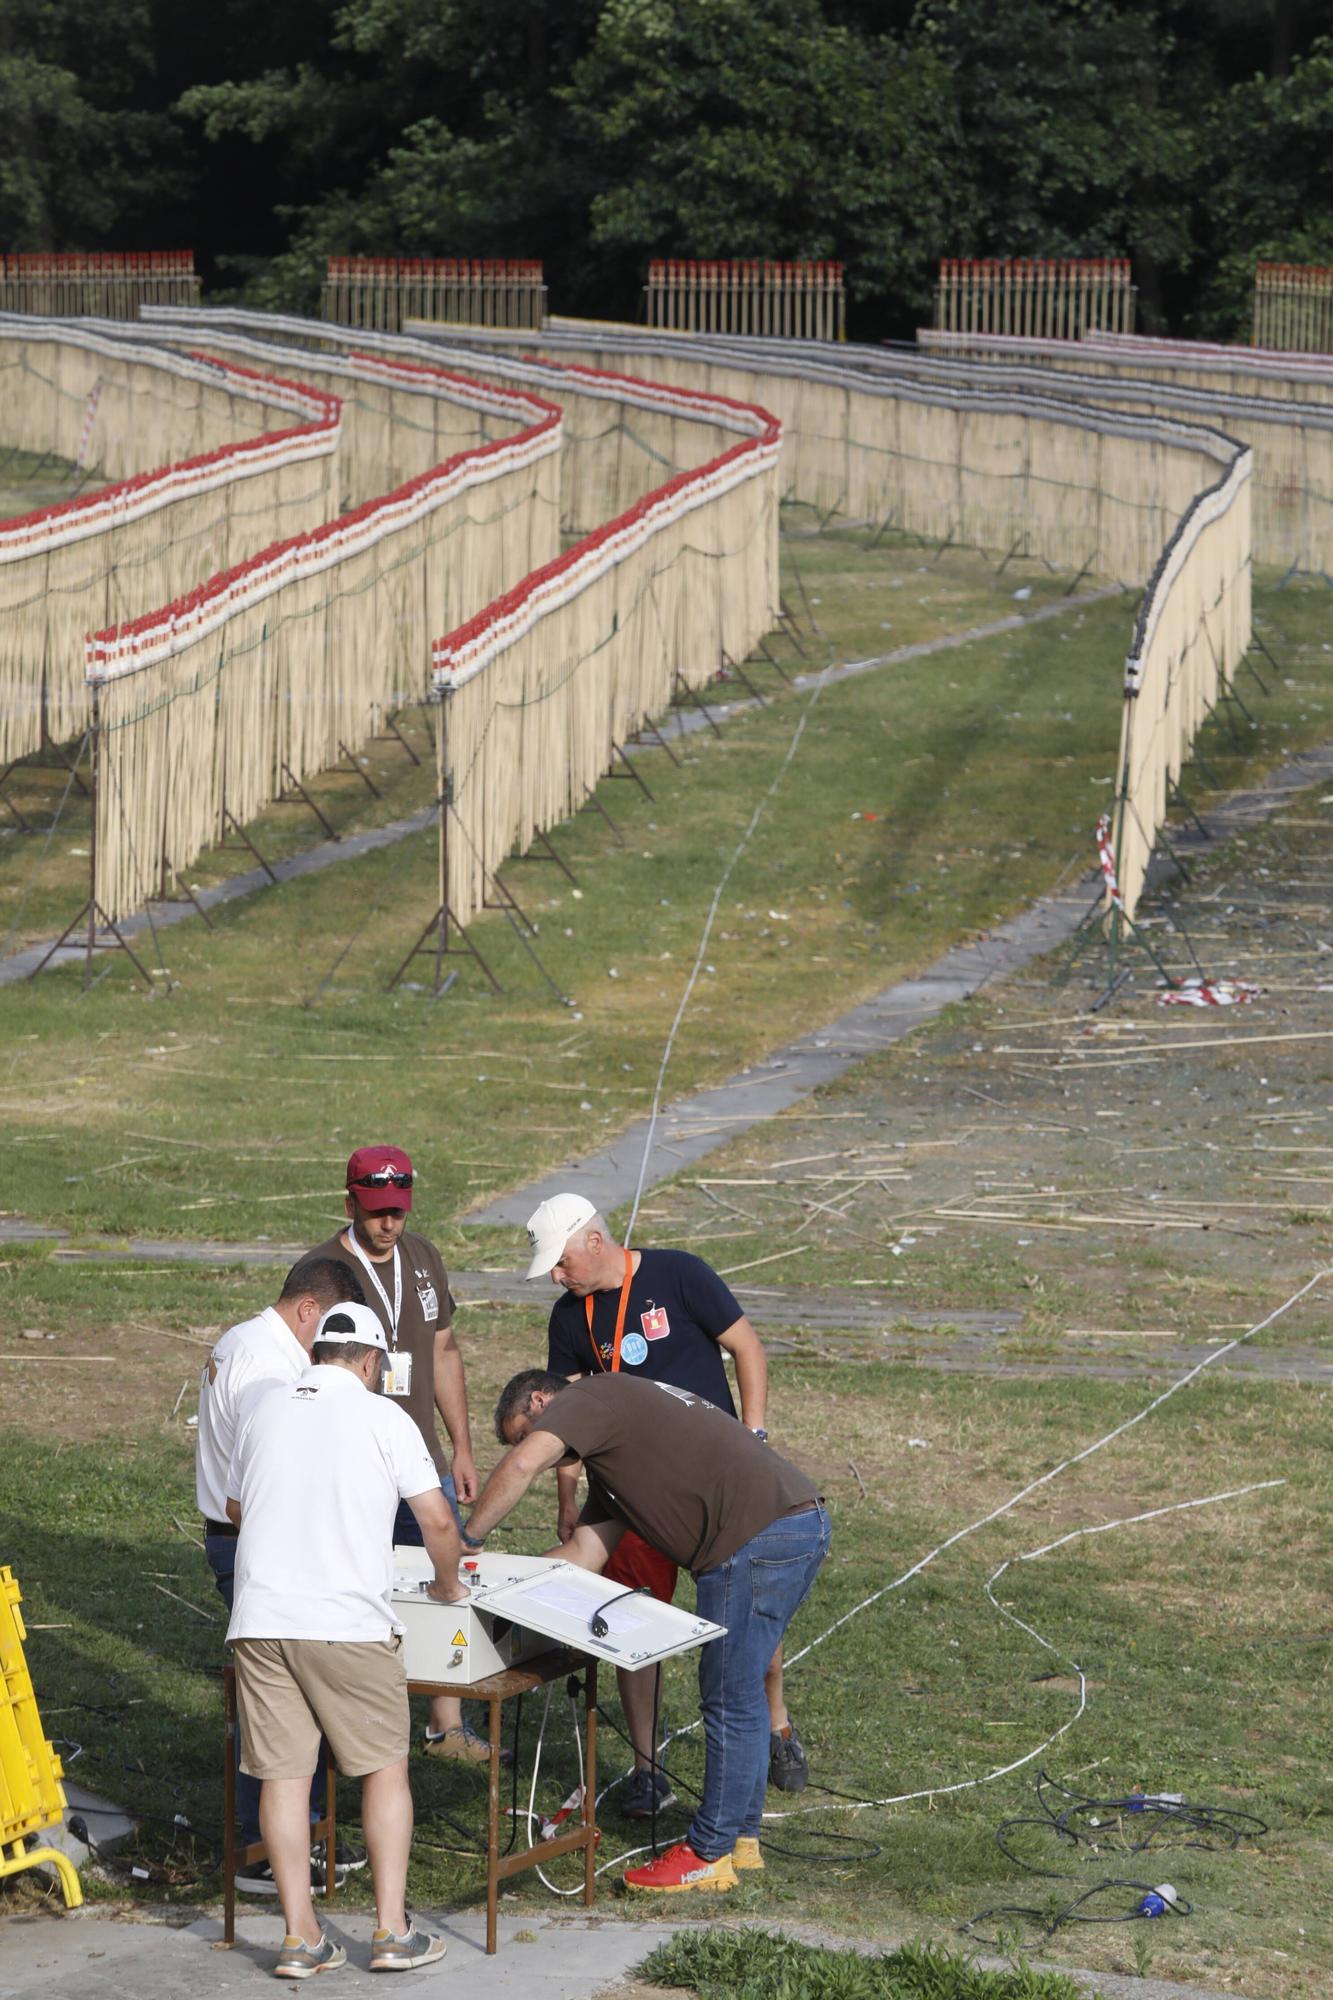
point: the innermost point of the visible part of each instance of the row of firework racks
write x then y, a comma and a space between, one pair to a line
102, 284
1049, 298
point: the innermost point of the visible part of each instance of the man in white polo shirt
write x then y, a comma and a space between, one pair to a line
272, 1347
319, 1468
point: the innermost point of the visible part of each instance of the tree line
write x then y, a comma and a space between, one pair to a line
1192, 135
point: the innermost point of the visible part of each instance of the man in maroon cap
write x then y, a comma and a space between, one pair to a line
405, 1283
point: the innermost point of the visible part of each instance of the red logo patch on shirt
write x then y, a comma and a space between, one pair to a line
655, 1324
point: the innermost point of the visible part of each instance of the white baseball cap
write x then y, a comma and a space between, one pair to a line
550, 1228
350, 1324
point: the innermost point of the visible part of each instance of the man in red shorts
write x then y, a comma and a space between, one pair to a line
667, 1316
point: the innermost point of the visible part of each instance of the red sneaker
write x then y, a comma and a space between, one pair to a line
681, 1868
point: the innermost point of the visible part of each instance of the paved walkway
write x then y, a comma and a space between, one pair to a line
96, 1955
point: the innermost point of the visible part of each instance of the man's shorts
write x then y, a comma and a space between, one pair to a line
636, 1564
288, 1690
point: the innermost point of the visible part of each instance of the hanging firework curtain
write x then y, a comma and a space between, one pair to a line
208, 707
381, 292
1249, 396
793, 300
153, 534
106, 284
540, 688
1137, 497
1061, 296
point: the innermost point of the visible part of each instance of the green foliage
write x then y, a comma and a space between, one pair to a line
762, 1965
78, 155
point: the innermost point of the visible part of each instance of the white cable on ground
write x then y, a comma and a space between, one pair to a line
616, 1860
1031, 1555
1045, 1479
718, 893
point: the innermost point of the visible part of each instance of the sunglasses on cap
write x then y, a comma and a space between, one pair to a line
383, 1177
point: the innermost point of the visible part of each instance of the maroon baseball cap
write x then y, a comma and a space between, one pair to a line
380, 1177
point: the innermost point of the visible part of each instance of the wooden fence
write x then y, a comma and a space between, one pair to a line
104, 284
1054, 297
381, 292
798, 301
1293, 307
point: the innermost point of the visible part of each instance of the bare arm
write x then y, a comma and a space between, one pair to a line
511, 1479
590, 1546
451, 1402
567, 1499
747, 1351
234, 1511
440, 1536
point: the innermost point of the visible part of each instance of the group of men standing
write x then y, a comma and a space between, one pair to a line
305, 1483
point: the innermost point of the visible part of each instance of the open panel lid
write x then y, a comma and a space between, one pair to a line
561, 1603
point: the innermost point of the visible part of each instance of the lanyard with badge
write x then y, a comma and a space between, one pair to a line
621, 1310
398, 1374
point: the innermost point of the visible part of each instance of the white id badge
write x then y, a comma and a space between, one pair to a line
398, 1374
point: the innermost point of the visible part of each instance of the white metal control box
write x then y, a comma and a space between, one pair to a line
458, 1643
520, 1606
527, 1605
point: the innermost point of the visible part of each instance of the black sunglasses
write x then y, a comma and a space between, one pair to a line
383, 1177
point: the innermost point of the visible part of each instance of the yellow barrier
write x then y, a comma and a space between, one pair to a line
31, 1794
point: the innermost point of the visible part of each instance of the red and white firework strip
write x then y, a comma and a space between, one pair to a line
89, 419
1198, 992
1106, 855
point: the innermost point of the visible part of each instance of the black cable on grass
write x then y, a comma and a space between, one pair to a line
1134, 1823
866, 1850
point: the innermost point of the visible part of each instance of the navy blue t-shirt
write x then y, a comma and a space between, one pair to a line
677, 1308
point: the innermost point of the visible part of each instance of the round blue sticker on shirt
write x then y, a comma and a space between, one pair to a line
633, 1349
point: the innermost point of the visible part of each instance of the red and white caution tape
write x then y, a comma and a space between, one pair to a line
1197, 992
1106, 855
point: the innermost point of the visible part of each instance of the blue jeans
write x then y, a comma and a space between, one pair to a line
756, 1594
406, 1533
221, 1553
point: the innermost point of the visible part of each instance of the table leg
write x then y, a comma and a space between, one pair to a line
229, 1805
331, 1837
590, 1784
493, 1830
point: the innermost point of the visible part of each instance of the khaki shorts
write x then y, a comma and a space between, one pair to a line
288, 1691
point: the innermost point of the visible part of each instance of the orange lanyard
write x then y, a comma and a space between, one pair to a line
620, 1320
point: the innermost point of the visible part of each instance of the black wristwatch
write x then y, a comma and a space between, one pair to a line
757, 1430
471, 1541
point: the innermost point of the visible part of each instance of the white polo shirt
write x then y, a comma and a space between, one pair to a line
249, 1357
319, 1468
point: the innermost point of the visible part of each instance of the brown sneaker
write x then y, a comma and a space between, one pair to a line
464, 1746
403, 1954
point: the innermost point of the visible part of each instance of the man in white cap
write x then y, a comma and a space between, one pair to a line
272, 1347
319, 1469
664, 1316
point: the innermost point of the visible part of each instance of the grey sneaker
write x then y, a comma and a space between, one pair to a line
788, 1767
636, 1798
400, 1954
299, 1960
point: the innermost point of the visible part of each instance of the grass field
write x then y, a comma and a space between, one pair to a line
223, 1108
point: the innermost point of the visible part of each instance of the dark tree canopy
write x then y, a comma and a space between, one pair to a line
1192, 135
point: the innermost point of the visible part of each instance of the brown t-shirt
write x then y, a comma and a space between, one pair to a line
427, 1305
684, 1474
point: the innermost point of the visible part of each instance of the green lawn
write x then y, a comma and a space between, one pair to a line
927, 800
1199, 1633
